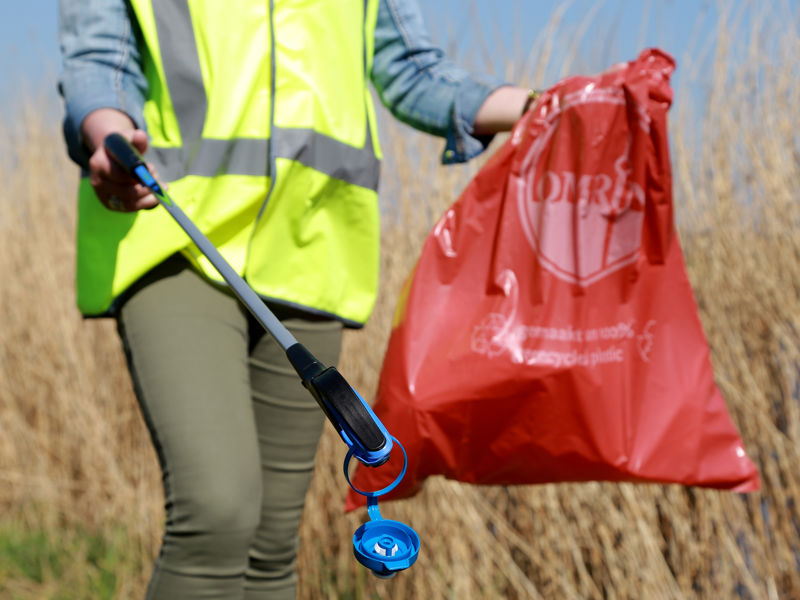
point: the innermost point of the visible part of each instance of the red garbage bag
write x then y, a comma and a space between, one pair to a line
549, 331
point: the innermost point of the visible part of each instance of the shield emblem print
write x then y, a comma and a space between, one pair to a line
581, 198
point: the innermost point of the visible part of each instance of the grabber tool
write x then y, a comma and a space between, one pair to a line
384, 546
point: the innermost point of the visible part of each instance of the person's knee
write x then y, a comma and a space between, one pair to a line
222, 509
212, 529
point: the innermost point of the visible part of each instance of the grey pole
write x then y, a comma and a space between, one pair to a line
239, 286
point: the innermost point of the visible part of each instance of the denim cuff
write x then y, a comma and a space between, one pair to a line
461, 144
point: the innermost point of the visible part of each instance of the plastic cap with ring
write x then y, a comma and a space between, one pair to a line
382, 545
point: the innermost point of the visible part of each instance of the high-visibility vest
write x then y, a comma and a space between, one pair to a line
261, 121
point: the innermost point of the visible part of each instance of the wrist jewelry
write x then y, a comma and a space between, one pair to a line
533, 96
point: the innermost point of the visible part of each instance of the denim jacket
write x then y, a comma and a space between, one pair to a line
101, 69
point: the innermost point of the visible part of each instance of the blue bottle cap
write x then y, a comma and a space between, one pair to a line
385, 546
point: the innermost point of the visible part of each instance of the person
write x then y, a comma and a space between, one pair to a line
259, 117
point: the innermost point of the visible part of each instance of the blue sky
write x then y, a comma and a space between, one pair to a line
512, 29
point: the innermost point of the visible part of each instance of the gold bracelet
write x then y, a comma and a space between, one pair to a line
533, 96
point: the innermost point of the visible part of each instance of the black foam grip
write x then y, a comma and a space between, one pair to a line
122, 151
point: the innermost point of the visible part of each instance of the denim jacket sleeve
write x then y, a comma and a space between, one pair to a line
101, 66
101, 69
421, 87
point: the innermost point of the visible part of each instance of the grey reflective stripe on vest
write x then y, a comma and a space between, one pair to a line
249, 156
181, 64
326, 155
237, 156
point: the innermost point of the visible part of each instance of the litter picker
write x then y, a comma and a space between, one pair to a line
382, 545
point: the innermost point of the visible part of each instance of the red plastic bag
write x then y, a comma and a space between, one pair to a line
549, 331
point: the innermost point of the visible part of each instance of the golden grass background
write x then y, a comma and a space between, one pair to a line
74, 453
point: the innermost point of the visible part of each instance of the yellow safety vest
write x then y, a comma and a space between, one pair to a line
261, 120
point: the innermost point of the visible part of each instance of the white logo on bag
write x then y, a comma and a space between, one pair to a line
584, 226
486, 338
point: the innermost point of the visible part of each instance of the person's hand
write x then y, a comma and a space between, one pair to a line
116, 189
501, 110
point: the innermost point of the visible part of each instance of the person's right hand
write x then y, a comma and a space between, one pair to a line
116, 189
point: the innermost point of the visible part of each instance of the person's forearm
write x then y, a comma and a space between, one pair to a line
416, 82
501, 110
101, 67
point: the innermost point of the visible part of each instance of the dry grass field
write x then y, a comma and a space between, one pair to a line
80, 492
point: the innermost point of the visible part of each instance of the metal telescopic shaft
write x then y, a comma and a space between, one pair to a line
131, 160
242, 290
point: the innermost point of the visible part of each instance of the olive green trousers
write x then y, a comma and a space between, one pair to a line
234, 430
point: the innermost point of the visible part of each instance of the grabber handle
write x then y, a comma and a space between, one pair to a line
122, 151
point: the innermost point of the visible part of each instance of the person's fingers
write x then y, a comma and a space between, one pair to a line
104, 168
118, 174
117, 189
139, 140
148, 202
104, 165
124, 198
115, 203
